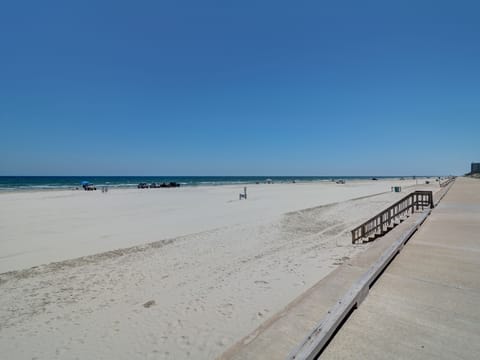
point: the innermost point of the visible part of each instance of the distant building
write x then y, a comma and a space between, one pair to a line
475, 168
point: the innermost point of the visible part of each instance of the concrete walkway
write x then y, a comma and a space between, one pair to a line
426, 305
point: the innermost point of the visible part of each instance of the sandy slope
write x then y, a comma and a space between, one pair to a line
202, 291
41, 227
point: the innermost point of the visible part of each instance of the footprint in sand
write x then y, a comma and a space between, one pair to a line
226, 309
261, 282
149, 304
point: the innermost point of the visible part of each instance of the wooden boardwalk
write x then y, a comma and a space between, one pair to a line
425, 305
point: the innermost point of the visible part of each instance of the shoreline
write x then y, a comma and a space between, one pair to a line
257, 181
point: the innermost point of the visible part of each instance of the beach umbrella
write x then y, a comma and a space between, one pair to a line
84, 183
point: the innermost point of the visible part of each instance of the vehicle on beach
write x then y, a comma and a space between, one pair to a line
169, 185
340, 181
88, 186
156, 185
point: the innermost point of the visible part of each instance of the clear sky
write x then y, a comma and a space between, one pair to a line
239, 87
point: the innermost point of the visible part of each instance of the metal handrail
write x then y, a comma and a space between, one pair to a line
385, 220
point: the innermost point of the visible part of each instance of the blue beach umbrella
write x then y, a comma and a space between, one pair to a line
84, 183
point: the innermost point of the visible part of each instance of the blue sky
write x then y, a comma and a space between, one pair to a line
239, 88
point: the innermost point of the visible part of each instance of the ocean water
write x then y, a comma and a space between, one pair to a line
12, 183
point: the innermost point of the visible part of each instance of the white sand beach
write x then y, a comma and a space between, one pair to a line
167, 273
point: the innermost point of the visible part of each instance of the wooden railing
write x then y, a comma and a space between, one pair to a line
393, 215
447, 181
